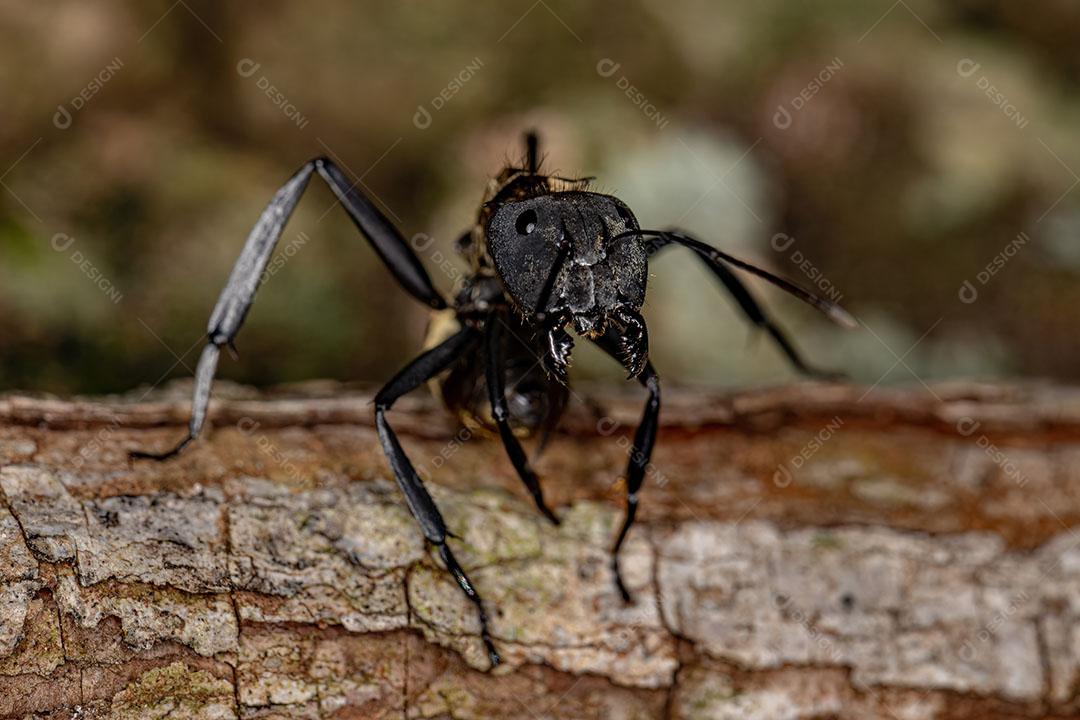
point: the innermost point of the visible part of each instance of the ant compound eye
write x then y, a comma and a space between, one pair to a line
625, 215
526, 222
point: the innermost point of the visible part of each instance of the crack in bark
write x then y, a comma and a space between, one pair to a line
18, 521
227, 531
406, 645
673, 687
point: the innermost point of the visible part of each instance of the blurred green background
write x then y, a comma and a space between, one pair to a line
916, 158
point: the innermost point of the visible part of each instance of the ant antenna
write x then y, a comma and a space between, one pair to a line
531, 152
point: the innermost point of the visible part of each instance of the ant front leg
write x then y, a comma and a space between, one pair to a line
615, 345
495, 377
558, 346
633, 341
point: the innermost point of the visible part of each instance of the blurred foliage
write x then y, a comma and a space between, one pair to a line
901, 175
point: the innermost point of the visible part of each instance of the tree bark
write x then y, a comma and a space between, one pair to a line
802, 552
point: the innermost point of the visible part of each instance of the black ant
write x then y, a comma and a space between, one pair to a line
544, 255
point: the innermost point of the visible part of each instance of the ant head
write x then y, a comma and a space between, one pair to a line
569, 255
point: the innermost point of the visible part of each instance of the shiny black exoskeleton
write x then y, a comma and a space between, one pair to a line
545, 256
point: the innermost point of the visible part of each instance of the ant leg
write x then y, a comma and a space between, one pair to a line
496, 386
420, 503
640, 456
239, 292
751, 308
389, 244
633, 341
556, 358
